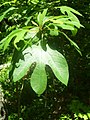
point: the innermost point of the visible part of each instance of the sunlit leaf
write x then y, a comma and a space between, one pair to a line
66, 27
49, 57
74, 23
4, 13
18, 34
68, 23
67, 9
41, 17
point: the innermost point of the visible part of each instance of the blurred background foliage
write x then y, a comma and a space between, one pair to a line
57, 102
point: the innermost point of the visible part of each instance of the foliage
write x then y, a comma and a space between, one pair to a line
40, 52
78, 111
30, 26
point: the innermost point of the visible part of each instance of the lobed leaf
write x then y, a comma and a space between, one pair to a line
68, 9
68, 23
49, 57
18, 34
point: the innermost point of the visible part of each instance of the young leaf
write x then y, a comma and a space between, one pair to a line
41, 17
4, 13
72, 17
76, 46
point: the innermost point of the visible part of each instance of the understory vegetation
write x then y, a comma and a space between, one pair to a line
45, 59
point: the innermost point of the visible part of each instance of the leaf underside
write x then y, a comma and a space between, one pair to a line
50, 57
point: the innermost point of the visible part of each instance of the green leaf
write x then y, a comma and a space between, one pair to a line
49, 57
66, 27
70, 12
4, 13
74, 32
41, 17
72, 43
88, 114
57, 21
32, 33
5, 3
54, 31
74, 23
28, 20
76, 46
34, 1
58, 65
68, 23
18, 34
68, 9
